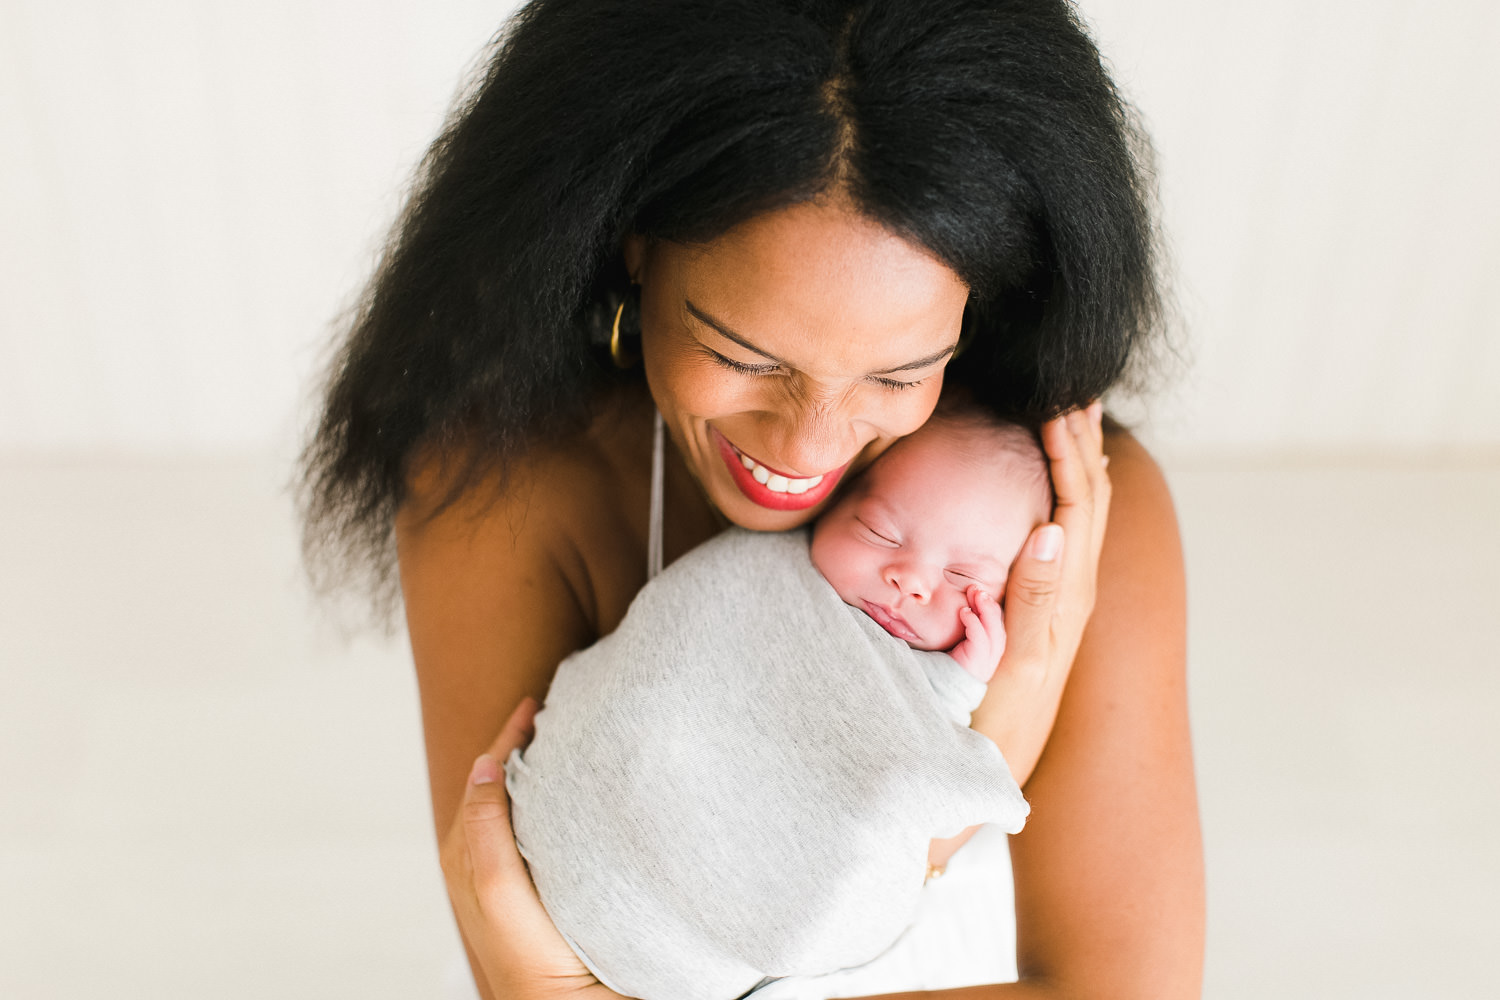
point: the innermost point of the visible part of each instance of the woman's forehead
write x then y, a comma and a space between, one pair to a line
823, 241
810, 282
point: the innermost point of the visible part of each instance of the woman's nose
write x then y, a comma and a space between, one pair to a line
814, 437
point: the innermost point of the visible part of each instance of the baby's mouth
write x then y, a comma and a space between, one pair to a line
890, 621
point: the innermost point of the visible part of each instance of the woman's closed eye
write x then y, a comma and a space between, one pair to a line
768, 368
772, 368
895, 384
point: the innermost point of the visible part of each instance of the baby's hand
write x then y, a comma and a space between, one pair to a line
979, 650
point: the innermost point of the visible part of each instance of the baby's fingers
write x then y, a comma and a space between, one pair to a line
973, 627
990, 618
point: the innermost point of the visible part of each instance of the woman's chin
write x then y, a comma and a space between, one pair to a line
748, 514
745, 512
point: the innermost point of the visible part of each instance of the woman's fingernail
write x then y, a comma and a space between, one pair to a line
1046, 543
1104, 462
486, 770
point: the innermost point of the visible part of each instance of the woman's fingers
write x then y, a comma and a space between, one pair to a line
1074, 508
1075, 449
1050, 577
1031, 598
1097, 464
511, 938
493, 857
1050, 593
1070, 480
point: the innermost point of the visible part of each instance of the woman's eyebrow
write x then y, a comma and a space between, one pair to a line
930, 359
729, 334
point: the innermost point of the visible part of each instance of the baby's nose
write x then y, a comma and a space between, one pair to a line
910, 580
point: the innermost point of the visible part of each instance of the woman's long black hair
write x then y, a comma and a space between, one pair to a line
983, 130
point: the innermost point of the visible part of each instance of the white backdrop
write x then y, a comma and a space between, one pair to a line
191, 190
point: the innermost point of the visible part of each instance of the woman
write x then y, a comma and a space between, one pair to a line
789, 224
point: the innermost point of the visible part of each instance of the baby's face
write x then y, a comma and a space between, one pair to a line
924, 524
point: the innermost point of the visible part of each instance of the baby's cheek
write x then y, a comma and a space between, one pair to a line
825, 561
954, 634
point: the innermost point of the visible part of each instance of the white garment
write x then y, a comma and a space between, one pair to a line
739, 783
964, 931
964, 935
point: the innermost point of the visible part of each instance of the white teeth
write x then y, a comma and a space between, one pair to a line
775, 482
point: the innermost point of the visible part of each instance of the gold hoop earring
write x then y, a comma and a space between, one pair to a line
617, 352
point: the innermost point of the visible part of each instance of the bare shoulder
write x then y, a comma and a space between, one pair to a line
1141, 542
506, 577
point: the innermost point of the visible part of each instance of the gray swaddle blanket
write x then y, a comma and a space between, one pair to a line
741, 781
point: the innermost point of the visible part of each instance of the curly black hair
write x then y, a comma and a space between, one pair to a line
986, 131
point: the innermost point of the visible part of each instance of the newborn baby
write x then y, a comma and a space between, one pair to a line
741, 782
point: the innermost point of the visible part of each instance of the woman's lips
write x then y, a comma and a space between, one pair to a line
771, 489
890, 621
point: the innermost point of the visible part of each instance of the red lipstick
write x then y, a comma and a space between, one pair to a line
762, 495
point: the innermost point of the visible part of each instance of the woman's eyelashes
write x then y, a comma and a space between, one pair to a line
896, 384
771, 368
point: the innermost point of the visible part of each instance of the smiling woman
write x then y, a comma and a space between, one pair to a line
818, 201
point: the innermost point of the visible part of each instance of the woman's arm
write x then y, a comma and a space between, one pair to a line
490, 610
497, 594
1109, 871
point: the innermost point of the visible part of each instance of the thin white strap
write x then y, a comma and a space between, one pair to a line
658, 468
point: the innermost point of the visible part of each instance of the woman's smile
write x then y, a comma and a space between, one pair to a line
770, 488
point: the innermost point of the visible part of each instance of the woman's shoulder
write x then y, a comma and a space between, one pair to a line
1142, 545
574, 504
1138, 485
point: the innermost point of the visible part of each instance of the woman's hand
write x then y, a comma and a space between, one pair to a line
510, 936
1050, 594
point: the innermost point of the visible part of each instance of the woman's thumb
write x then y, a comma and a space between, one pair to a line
1032, 583
486, 808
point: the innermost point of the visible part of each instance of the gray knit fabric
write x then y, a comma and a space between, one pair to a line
740, 782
